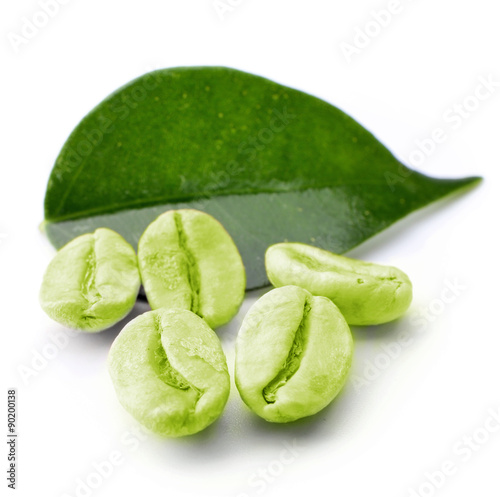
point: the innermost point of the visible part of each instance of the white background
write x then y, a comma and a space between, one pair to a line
385, 437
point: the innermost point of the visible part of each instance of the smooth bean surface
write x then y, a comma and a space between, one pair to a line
92, 282
293, 354
188, 261
169, 372
366, 293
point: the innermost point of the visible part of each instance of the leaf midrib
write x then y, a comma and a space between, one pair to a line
140, 203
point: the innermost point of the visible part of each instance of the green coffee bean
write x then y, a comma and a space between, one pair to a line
293, 353
169, 372
188, 261
92, 282
365, 293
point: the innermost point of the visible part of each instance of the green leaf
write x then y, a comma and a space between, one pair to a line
269, 162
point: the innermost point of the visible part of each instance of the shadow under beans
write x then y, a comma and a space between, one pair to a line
239, 428
386, 332
311, 427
